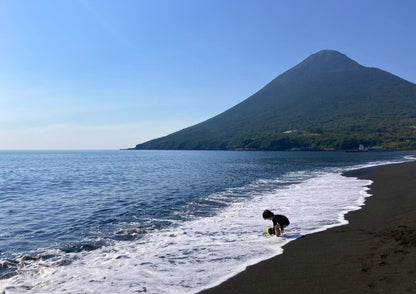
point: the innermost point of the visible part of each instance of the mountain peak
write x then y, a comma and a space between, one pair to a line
324, 62
328, 53
329, 56
327, 60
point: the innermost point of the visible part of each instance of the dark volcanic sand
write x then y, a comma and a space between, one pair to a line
374, 253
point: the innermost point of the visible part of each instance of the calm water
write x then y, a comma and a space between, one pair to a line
177, 212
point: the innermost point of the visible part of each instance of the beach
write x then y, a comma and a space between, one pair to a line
374, 253
114, 227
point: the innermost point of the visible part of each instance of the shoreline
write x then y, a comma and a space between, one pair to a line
374, 253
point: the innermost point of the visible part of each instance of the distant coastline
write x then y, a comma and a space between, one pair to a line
291, 150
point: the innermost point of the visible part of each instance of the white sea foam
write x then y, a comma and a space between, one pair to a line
202, 252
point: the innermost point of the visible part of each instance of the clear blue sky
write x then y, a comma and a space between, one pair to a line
84, 74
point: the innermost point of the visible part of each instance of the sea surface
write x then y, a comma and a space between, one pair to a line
161, 221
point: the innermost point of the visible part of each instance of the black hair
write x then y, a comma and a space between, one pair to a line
267, 213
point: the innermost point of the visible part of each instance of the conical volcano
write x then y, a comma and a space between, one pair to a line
326, 102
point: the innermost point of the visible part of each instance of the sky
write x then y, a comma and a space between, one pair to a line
104, 74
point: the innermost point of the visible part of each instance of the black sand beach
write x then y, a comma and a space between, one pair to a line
374, 253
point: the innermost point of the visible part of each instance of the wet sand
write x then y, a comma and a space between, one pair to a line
374, 253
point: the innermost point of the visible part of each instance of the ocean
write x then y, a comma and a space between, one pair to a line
161, 221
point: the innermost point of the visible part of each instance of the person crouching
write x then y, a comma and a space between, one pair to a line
279, 221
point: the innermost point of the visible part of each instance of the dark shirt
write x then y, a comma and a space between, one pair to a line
281, 220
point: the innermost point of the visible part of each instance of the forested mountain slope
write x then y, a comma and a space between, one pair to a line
326, 102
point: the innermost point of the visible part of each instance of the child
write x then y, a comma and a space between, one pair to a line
279, 221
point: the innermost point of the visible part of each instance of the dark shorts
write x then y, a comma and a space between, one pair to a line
281, 220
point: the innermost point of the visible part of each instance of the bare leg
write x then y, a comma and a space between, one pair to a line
277, 230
